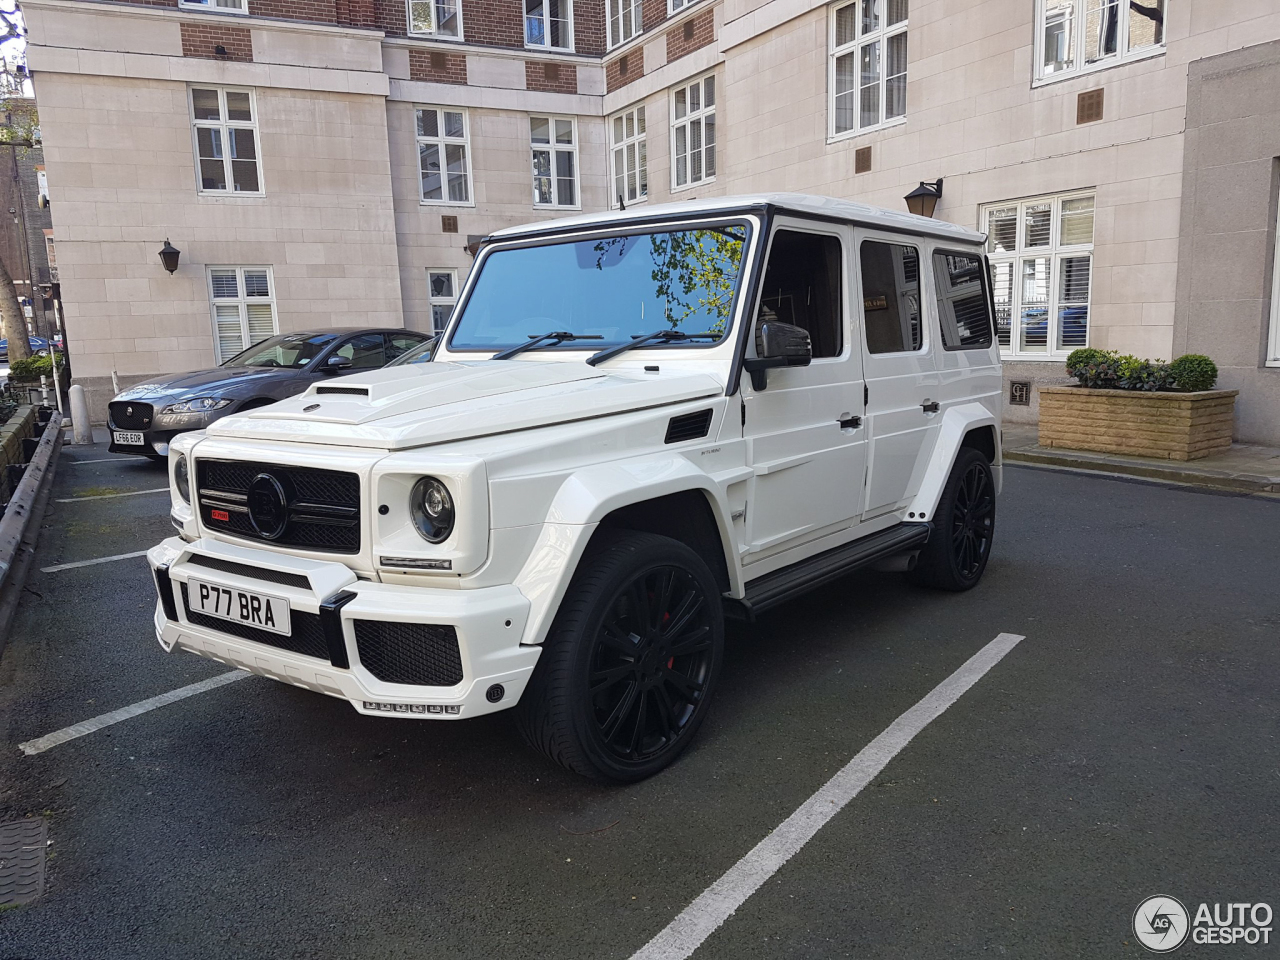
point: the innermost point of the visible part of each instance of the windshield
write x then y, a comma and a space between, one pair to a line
419, 354
294, 350
614, 288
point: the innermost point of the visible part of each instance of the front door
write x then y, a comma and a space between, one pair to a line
903, 385
804, 432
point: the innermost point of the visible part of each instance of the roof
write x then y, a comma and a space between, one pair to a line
804, 205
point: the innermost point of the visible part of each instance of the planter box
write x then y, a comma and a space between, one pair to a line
1168, 426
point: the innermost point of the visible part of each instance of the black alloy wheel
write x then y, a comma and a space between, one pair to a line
964, 523
628, 669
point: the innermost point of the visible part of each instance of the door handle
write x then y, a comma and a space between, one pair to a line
853, 423
929, 406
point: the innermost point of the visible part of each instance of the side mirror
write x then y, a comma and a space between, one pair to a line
336, 364
778, 345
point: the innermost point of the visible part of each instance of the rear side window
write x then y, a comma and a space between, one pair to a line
891, 296
962, 302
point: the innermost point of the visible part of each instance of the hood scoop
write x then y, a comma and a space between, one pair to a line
344, 391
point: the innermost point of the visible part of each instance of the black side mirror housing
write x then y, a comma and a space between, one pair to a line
778, 345
336, 365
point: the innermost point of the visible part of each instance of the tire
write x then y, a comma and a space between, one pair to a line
642, 621
964, 524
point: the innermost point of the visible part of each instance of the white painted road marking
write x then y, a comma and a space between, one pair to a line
718, 902
108, 460
32, 747
90, 563
108, 496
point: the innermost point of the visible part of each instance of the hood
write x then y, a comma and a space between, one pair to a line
217, 381
425, 403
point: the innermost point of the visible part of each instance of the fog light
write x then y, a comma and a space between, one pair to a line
495, 693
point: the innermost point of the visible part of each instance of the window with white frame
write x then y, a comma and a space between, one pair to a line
442, 292
1076, 36
435, 18
226, 6
244, 308
676, 5
444, 155
693, 133
555, 161
625, 20
868, 81
1041, 253
225, 128
548, 24
630, 157
1273, 342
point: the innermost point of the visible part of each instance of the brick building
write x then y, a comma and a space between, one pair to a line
1122, 155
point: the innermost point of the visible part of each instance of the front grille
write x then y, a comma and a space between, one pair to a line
307, 637
323, 509
256, 573
130, 415
425, 654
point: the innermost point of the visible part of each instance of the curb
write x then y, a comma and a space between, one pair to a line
17, 531
1237, 483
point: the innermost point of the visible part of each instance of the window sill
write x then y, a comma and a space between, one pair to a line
445, 203
684, 188
231, 194
1273, 364
434, 36
1098, 67
538, 48
207, 8
1035, 357
864, 131
556, 206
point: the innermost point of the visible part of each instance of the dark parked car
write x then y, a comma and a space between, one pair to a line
145, 417
38, 345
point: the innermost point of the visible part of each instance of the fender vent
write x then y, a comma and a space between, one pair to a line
349, 391
688, 426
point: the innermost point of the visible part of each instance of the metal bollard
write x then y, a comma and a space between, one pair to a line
80, 416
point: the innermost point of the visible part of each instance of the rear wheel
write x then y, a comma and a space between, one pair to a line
963, 527
627, 672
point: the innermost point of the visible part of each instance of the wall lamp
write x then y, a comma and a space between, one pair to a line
169, 255
923, 199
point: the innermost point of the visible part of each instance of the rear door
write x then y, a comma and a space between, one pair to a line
902, 382
804, 433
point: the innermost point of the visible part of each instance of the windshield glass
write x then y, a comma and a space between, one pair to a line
287, 350
615, 288
419, 354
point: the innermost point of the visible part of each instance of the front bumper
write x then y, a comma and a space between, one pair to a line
488, 623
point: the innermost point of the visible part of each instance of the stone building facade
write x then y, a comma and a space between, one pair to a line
1115, 150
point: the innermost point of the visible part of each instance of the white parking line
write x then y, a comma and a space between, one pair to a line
90, 563
32, 747
108, 460
108, 496
720, 900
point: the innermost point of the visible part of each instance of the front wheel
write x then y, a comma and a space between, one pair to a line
963, 526
628, 669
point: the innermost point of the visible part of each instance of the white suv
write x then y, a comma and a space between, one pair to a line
635, 425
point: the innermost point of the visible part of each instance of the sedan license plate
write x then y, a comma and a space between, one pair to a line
240, 606
128, 438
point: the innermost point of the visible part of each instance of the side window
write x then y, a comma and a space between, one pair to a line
398, 343
962, 302
891, 296
365, 352
802, 287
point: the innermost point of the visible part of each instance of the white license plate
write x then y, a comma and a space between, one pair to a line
128, 438
239, 606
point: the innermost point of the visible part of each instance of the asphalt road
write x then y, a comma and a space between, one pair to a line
1127, 747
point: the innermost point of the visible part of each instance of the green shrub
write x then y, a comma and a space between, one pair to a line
1134, 373
1194, 371
1084, 356
33, 367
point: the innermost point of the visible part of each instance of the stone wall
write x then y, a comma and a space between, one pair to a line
12, 432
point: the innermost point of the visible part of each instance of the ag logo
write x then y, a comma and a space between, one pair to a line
1161, 924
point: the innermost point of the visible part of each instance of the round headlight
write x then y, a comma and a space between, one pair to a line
432, 509
182, 478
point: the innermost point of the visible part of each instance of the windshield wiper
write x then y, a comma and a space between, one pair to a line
658, 336
553, 338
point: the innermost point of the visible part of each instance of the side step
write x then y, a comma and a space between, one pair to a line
782, 585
